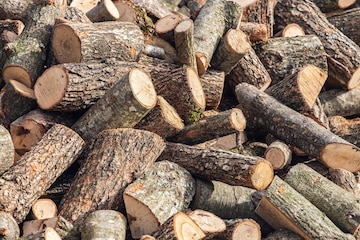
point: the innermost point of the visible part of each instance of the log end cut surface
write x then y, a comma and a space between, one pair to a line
262, 174
50, 87
17, 73
185, 228
354, 80
196, 88
237, 119
143, 91
340, 155
66, 44
171, 115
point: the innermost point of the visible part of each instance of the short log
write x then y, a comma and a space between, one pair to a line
127, 10
7, 151
278, 154
43, 208
9, 228
207, 221
105, 10
84, 5
291, 30
255, 31
153, 7
165, 27
283, 234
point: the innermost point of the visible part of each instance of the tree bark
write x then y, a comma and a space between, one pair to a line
295, 129
38, 169
345, 180
153, 7
7, 153
283, 234
243, 170
84, 5
333, 5
127, 10
105, 10
348, 129
255, 31
47, 234
213, 85
15, 26
9, 228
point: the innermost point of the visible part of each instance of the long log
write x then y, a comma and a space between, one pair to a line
296, 129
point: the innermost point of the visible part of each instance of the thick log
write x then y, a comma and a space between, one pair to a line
278, 154
164, 189
299, 90
213, 164
124, 105
117, 158
283, 56
255, 31
180, 227
213, 82
337, 102
296, 129
341, 206
207, 221
7, 151
165, 27
81, 42
293, 211
127, 10
104, 224
343, 53
348, 129
47, 234
212, 127
43, 208
333, 5
105, 10
9, 228
345, 180
38, 169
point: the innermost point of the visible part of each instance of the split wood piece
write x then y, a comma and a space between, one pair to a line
333, 5
33, 226
153, 7
16, 100
81, 42
7, 151
283, 234
9, 228
15, 26
207, 221
162, 120
124, 105
104, 224
26, 55
233, 46
213, 164
262, 12
38, 169
165, 27
27, 130
250, 70
180, 227
296, 129
184, 43
105, 10
299, 90
284, 56
212, 82
255, 31
209, 27
164, 189
343, 53
278, 154
291, 30
341, 206
107, 171
182, 88
246, 229
283, 207
127, 10
317, 113
345, 180
84, 5
219, 125
43, 208
194, 7
348, 129
337, 102
345, 21
47, 234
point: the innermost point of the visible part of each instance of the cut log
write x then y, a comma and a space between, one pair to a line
165, 27
345, 180
117, 158
233, 46
341, 206
283, 234
43, 208
127, 10
180, 227
15, 26
212, 127
295, 129
33, 226
213, 164
317, 113
84, 5
207, 221
163, 190
333, 5
7, 151
38, 169
283, 56
124, 105
195, 7
162, 120
104, 224
212, 82
299, 90
105, 10
9, 228
255, 31
291, 30
153, 7
47, 234
345, 22
343, 53
348, 129
283, 207
81, 42
337, 102
278, 154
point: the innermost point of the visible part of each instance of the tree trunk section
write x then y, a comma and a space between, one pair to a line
283, 234
105, 10
213, 82
165, 27
255, 31
9, 228
207, 221
38, 169
348, 129
278, 154
228, 167
7, 152
345, 180
164, 189
153, 7
291, 30
43, 208
333, 5
84, 5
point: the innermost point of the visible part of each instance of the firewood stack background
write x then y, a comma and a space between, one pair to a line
180, 119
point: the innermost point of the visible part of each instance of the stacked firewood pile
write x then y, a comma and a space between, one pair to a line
181, 119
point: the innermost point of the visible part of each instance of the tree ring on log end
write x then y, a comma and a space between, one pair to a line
261, 174
345, 3
171, 115
354, 80
237, 119
17, 73
196, 88
66, 44
246, 230
50, 87
185, 228
142, 88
